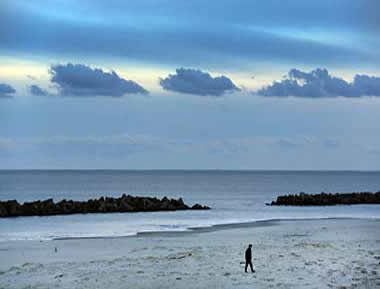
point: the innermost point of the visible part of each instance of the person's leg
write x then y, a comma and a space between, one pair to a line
250, 265
246, 266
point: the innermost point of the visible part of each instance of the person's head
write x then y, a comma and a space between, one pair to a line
250, 246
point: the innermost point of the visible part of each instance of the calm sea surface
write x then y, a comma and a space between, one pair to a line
235, 196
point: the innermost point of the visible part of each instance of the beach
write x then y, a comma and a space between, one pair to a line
316, 253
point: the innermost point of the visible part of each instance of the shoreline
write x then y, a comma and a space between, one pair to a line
211, 228
176, 232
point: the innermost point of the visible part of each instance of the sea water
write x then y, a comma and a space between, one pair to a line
234, 196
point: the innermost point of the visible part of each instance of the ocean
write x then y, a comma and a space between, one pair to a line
234, 196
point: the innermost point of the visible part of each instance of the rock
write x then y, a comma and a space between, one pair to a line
102, 205
165, 205
125, 206
180, 204
3, 211
13, 208
199, 207
148, 204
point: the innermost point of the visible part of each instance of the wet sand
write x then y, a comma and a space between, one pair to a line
324, 253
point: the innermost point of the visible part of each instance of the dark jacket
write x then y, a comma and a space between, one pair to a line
248, 254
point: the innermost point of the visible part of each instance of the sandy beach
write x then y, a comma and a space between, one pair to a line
324, 253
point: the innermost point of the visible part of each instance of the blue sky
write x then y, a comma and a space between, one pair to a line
190, 84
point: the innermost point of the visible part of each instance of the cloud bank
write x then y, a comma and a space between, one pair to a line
6, 90
81, 80
319, 83
192, 81
38, 91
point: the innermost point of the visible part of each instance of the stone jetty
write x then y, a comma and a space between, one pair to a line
124, 204
324, 199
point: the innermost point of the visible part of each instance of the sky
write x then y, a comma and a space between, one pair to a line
159, 84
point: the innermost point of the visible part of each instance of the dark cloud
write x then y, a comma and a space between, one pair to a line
196, 82
82, 80
38, 91
6, 90
319, 83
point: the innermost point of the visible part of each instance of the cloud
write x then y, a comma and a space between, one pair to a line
319, 83
38, 91
31, 77
192, 81
81, 80
6, 90
230, 35
367, 85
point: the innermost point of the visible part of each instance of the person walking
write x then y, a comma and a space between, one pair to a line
248, 258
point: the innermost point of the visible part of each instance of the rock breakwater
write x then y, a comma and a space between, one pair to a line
323, 199
124, 204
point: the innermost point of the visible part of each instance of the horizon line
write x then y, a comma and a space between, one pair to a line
198, 170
